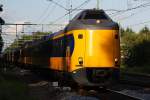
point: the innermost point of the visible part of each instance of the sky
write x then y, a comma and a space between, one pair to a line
46, 12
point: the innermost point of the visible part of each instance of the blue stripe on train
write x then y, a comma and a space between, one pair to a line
71, 44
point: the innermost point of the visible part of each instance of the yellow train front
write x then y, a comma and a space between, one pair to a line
92, 52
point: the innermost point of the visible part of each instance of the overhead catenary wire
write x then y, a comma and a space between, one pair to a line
76, 8
132, 25
129, 9
58, 4
131, 15
59, 18
43, 13
117, 11
137, 7
48, 14
14, 25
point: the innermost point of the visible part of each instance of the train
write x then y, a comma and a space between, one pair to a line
85, 52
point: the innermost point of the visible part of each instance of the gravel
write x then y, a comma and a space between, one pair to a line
142, 93
137, 93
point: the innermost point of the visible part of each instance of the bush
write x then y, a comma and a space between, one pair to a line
136, 49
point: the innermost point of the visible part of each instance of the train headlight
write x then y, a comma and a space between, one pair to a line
74, 72
116, 60
80, 59
98, 21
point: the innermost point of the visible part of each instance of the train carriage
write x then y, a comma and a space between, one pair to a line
86, 52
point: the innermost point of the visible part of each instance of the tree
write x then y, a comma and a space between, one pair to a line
129, 30
136, 48
25, 38
128, 41
144, 30
1, 23
1, 43
122, 32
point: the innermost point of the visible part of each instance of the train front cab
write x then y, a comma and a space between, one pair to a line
96, 56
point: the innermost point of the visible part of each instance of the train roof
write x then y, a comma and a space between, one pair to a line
44, 38
91, 19
92, 14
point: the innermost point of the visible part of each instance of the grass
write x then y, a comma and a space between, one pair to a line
12, 89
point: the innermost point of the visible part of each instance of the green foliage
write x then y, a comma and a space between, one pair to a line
38, 35
136, 48
122, 31
145, 30
127, 31
25, 38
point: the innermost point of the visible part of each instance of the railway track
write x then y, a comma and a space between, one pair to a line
107, 94
130, 97
135, 79
41, 88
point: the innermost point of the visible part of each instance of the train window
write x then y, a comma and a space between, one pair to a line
95, 15
80, 36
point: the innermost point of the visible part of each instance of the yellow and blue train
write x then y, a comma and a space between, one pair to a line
86, 52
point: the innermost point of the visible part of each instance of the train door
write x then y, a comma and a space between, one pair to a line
69, 47
67, 58
66, 53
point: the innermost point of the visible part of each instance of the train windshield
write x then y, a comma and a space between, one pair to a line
96, 15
